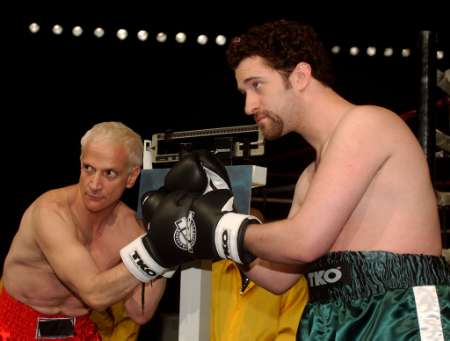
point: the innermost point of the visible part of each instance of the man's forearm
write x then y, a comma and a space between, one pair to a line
142, 308
108, 287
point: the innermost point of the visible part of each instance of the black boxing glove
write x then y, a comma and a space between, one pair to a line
199, 172
220, 231
149, 204
139, 257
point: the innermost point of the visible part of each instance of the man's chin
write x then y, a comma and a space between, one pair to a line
94, 208
269, 132
270, 135
94, 205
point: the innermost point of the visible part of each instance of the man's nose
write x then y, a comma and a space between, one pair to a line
95, 182
251, 104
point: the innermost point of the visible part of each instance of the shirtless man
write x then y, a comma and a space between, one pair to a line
364, 214
64, 259
364, 223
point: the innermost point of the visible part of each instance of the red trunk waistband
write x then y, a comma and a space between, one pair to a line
19, 322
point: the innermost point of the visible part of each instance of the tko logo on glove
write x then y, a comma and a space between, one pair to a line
141, 264
324, 277
185, 234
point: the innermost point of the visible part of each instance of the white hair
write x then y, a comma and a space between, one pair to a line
117, 133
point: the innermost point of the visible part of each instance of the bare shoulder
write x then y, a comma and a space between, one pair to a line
128, 221
375, 124
372, 117
126, 213
47, 219
53, 203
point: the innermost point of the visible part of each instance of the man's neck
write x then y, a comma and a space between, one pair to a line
90, 223
325, 110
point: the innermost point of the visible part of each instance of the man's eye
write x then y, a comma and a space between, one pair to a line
111, 174
257, 85
87, 168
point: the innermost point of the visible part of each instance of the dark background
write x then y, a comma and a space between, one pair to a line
56, 87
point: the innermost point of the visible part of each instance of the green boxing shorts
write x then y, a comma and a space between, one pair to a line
377, 296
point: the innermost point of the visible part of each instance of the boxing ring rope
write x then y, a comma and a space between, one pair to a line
430, 79
427, 94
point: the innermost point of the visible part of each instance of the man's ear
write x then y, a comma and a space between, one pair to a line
132, 177
301, 76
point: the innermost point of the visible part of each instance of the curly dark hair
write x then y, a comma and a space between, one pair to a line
283, 44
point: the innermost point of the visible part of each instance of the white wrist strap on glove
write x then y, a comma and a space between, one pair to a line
226, 235
139, 262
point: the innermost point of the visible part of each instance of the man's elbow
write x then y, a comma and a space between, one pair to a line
95, 302
277, 287
135, 312
141, 319
309, 252
277, 290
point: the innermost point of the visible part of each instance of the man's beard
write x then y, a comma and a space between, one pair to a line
273, 126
